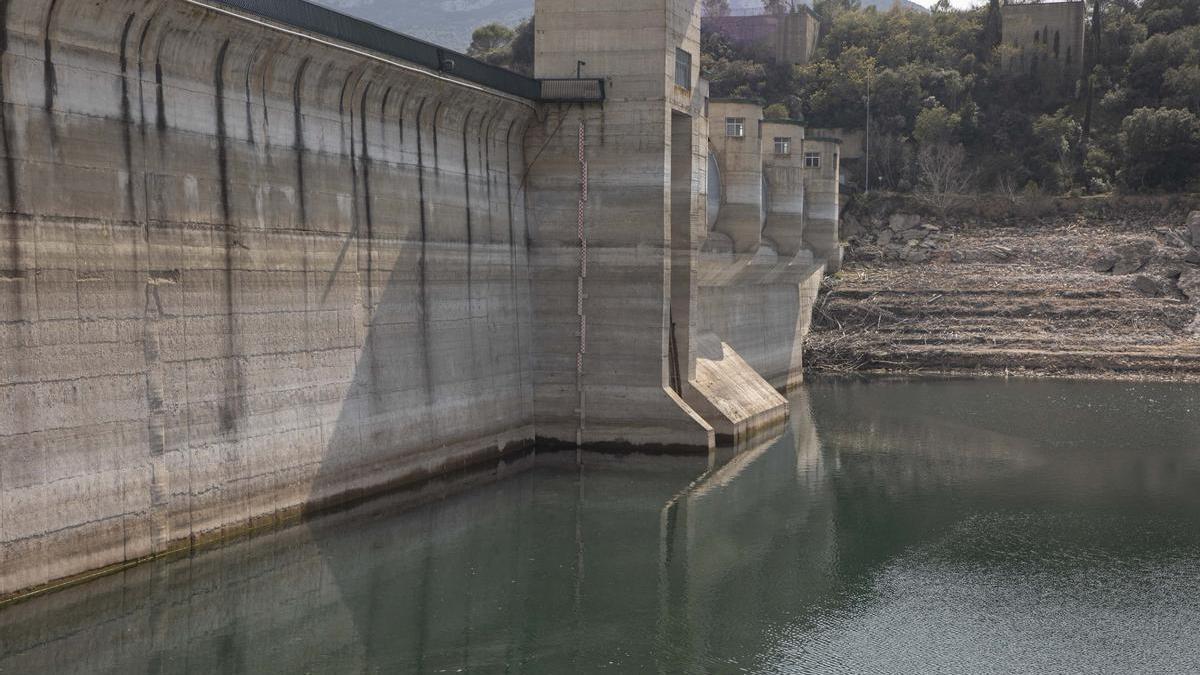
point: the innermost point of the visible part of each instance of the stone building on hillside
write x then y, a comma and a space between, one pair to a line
789, 37
1046, 39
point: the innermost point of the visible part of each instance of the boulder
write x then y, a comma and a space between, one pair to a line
885, 237
1148, 285
1132, 257
851, 227
1178, 240
1105, 263
900, 222
916, 255
1192, 257
1000, 252
1189, 284
1193, 226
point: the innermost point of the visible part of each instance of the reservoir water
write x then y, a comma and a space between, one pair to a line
947, 526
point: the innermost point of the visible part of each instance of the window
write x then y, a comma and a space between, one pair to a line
812, 160
783, 145
683, 69
735, 127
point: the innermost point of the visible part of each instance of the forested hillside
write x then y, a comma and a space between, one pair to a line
947, 116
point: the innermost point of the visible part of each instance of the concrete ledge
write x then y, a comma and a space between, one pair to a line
733, 397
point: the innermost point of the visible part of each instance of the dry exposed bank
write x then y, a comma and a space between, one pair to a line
1101, 287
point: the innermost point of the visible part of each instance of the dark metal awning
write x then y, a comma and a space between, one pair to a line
311, 18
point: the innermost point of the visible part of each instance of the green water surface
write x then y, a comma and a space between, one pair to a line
946, 526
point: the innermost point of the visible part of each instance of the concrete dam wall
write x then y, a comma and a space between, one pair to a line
259, 259
243, 271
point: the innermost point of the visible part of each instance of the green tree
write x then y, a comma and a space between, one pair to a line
488, 39
1183, 85
1053, 158
776, 111
937, 126
1160, 148
993, 28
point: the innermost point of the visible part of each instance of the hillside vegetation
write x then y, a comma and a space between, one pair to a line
940, 98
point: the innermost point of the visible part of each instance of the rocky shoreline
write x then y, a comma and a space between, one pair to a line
1110, 291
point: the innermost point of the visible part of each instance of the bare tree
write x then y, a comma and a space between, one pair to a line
944, 175
1006, 185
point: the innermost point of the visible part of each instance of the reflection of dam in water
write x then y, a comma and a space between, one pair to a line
809, 554
513, 572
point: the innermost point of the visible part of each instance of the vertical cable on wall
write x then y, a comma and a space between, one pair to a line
583, 197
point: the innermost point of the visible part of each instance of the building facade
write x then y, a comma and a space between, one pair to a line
789, 37
1046, 40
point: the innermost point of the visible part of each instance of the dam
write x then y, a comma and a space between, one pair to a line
260, 259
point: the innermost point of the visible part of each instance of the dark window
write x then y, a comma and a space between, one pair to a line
1037, 36
783, 145
683, 69
1056, 44
1068, 56
812, 160
735, 127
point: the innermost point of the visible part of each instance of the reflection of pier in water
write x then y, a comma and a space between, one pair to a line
752, 537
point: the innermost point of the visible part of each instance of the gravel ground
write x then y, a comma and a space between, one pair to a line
1012, 297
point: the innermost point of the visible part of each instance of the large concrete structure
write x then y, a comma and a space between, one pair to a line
786, 37
1046, 39
261, 259
779, 186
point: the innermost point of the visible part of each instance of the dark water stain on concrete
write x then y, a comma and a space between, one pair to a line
10, 162
160, 105
512, 244
48, 75
437, 115
298, 141
141, 65
250, 98
230, 408
10, 177
467, 204
403, 103
421, 261
127, 121
368, 215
